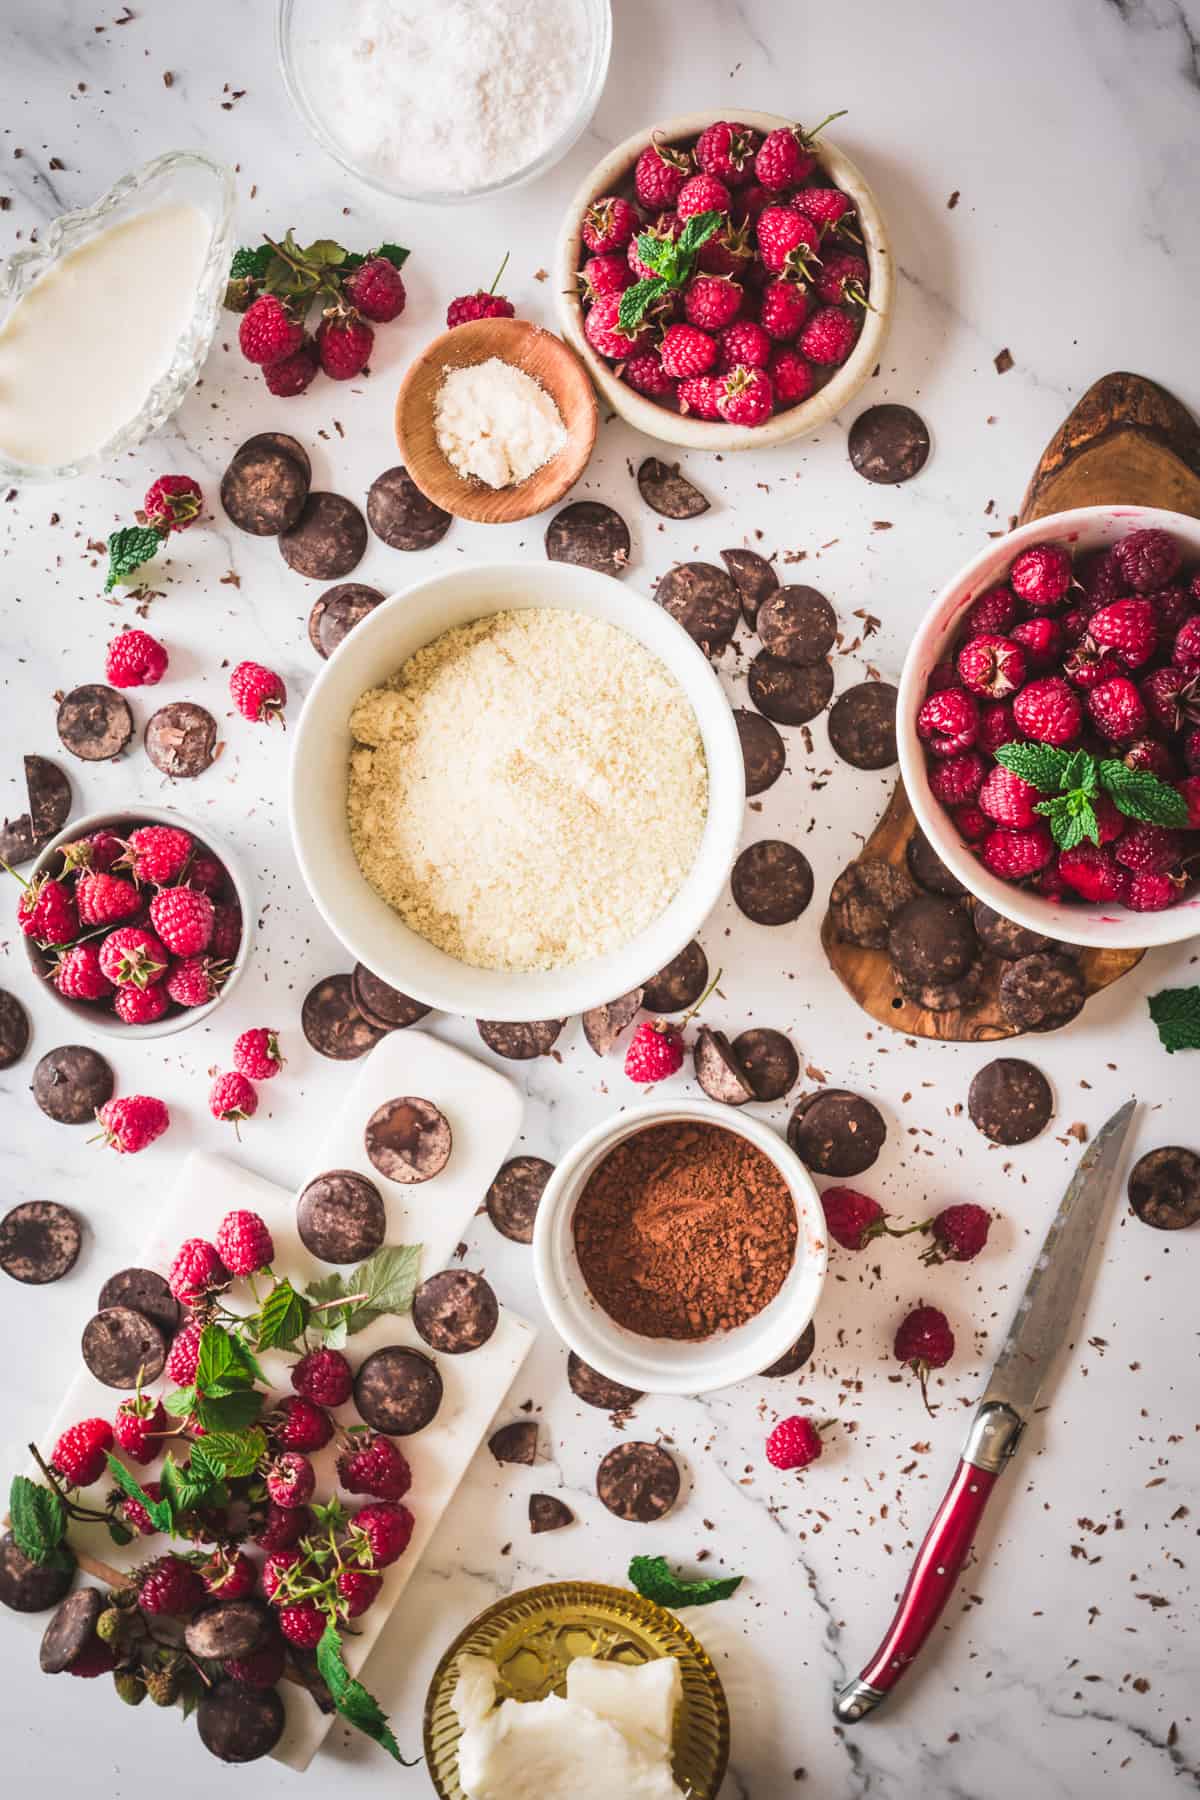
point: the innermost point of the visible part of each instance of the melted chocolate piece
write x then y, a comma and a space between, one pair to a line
340, 1217
638, 1482
94, 722
512, 1200
71, 1083
836, 1132
327, 540
455, 1311
398, 1390
408, 1140
39, 1242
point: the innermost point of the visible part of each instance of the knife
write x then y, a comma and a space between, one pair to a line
1035, 1336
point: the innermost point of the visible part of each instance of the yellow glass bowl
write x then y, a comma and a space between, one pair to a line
532, 1636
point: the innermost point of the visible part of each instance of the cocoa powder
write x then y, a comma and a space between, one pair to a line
684, 1230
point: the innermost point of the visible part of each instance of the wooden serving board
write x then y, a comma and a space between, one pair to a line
1127, 440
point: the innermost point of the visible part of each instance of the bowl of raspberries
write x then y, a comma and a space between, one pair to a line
727, 281
136, 922
1049, 726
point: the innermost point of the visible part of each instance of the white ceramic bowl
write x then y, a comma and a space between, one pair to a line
667, 1365
368, 927
1106, 927
612, 175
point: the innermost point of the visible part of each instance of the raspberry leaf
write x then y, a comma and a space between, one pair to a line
351, 1697
1176, 1013
637, 300
233, 1411
129, 549
385, 1283
37, 1519
1141, 795
283, 1318
396, 254
161, 1513
186, 1489
653, 1580
1041, 765
250, 265
224, 1364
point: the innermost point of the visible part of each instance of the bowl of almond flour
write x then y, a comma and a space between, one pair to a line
516, 791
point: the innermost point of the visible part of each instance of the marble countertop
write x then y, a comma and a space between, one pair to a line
1033, 163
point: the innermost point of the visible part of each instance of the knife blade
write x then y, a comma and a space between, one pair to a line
1039, 1327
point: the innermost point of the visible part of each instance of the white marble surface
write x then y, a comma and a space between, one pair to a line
1070, 133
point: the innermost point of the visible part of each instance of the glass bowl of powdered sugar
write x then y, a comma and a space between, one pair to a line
444, 100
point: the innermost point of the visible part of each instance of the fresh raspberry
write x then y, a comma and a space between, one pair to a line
727, 150
992, 614
357, 1590
1041, 638
959, 1233
130, 953
1050, 884
924, 1341
103, 899
1191, 751
955, 779
1127, 627
173, 1587
1049, 711
1172, 698
376, 290
183, 1358
655, 1052
746, 397
197, 1271
844, 279
1185, 653
608, 224
46, 912
971, 822
373, 1465
1091, 871
1151, 892
227, 932
232, 1099
194, 981
256, 1054
1147, 753
727, 252
1073, 625
243, 1243
783, 310
609, 274
263, 1668
685, 350
1008, 800
1116, 709
997, 727
667, 228
386, 1526
1101, 578
701, 194
158, 853
744, 344
299, 1424
1041, 577
1147, 559
229, 1575
1189, 788
132, 1122
139, 1427
645, 375
659, 173
258, 693
828, 206
949, 721
992, 666
276, 1571
140, 1006
80, 1453
283, 1527
1110, 821
344, 346
78, 976
134, 1513
1172, 606
172, 503
788, 242
206, 873
134, 659
323, 1376
829, 336
603, 334
293, 374
749, 202
291, 1479
1088, 667
183, 919
268, 333
1149, 849
303, 1624
698, 395
101, 851
711, 301
791, 377
793, 1444
853, 1219
1015, 855
785, 158
96, 1658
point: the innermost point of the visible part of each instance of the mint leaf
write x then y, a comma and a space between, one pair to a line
161, 1513
385, 1283
283, 1317
1080, 772
1176, 1013
1071, 818
1041, 765
128, 550
250, 265
37, 1518
636, 302
1141, 795
699, 228
652, 1577
351, 1697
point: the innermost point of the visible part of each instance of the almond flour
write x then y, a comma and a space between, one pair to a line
528, 790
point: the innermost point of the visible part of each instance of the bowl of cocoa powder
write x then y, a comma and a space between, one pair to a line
678, 1250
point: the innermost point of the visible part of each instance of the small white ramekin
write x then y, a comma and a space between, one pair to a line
667, 1365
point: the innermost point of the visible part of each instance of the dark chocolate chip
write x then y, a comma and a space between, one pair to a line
1164, 1188
702, 599
680, 984
1010, 1101
519, 1042
39, 1242
1041, 992
29, 1587
944, 996
590, 535
327, 540
239, 1724
382, 1005
889, 443
763, 752
14, 1029
147, 1293
789, 693
862, 725
332, 1023
587, 1384
603, 1025
1005, 938
266, 484
836, 1132
797, 1356
515, 1443
932, 940
340, 1217
668, 492
768, 1060
122, 1348
71, 1082
512, 1199
408, 1140
548, 1513
404, 517
455, 1311
928, 870
718, 1071
228, 1628
17, 842
94, 722
181, 739
772, 882
71, 1630
865, 899
337, 611
797, 624
638, 1482
754, 579
49, 793
398, 1390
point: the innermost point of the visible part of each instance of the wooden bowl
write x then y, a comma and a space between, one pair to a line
540, 354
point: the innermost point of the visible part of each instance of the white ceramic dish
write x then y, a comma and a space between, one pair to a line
368, 927
611, 175
665, 1365
1105, 927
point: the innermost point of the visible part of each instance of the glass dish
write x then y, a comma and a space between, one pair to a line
179, 175
298, 22
533, 1635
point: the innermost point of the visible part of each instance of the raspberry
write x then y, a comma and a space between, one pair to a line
276, 1570
261, 1669
299, 1424
1041, 638
784, 159
1128, 627
1191, 751
135, 1514
971, 823
829, 336
1185, 653
1050, 884
666, 228
1172, 698
1015, 855
139, 1427
268, 333
1073, 625
828, 206
387, 1527
131, 953
103, 899
992, 614
1110, 822
853, 1218
844, 279
1189, 787
96, 1658
746, 397
603, 334
957, 778
196, 1272
1088, 667
727, 150
655, 1052
783, 309
1149, 849
229, 1575
791, 377
645, 375
172, 503
78, 975
959, 1233
102, 852
659, 174
80, 1453
373, 1465
1116, 709
685, 350
996, 727
283, 1527
134, 659
1049, 711
293, 374
183, 1358
357, 1590
949, 721
744, 344
794, 1444
1041, 577
608, 224
183, 919
788, 243
227, 931
1091, 871
291, 1479
924, 1341
1151, 893
698, 395
324, 1376
1171, 607
244, 1244
609, 274
256, 1054
1147, 559
1147, 753
302, 1624
232, 1099
158, 853
257, 693
712, 301
1100, 577
46, 912
206, 874
992, 666
133, 1122
701, 194
1008, 800
376, 290
194, 981
173, 1587
344, 345
727, 251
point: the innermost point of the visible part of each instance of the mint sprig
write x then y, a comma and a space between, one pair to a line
129, 549
351, 1698
1176, 1013
672, 260
1072, 780
654, 1580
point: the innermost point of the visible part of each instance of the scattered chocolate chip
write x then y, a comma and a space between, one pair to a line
702, 599
772, 882
1003, 361
17, 842
763, 752
591, 535
71, 1631
39, 1242
862, 725
332, 1023
181, 739
1010, 1101
520, 1041
14, 1029
512, 1199
789, 693
122, 1348
94, 722
680, 984
49, 792
944, 996
382, 1005
889, 443
835, 1132
638, 1482
71, 1082
340, 1217
1005, 938
228, 1628
398, 1390
238, 1724
927, 868
515, 1443
548, 1513
266, 484
768, 1060
797, 624
754, 579
865, 899
147, 1293
603, 1025
1041, 992
668, 492
932, 940
587, 1384
1164, 1188
327, 540
337, 611
400, 514
718, 1071
797, 1356
408, 1140
455, 1311
29, 1587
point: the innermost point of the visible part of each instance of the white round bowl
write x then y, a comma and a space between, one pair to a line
366, 924
1106, 927
668, 1365
611, 175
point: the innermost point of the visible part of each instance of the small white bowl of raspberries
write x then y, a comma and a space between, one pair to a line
1049, 726
727, 281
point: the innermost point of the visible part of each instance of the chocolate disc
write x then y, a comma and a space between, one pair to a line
340, 1217
865, 899
332, 1023
717, 1069
702, 599
668, 492
147, 1293
71, 1083
789, 693
408, 1140
769, 1062
266, 484
383, 1006
548, 1513
239, 1724
49, 793
797, 1356
39, 1242
754, 579
181, 739
1041, 992
1164, 1188
927, 868
603, 1025
763, 752
590, 535
338, 611
512, 1199
515, 1443
932, 940
587, 1384
520, 1042
94, 722
1010, 1101
17, 842
1005, 938
836, 1132
398, 1390
638, 1482
862, 725
797, 624
122, 1347
400, 514
327, 539
889, 443
772, 882
228, 1628
14, 1029
29, 1587
455, 1311
680, 984
71, 1631
944, 996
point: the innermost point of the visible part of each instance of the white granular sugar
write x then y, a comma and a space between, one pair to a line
528, 790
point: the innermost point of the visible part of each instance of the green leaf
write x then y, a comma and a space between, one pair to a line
180, 1402
325, 250
221, 1364
1071, 817
1080, 773
1041, 765
161, 1513
636, 302
37, 1518
396, 254
184, 1490
351, 1697
120, 1534
699, 228
229, 1412
250, 264
1176, 1013
386, 1283
653, 1579
283, 1318
1141, 795
129, 550
231, 1454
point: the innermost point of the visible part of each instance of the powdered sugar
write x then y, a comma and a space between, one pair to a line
496, 423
